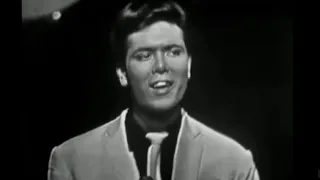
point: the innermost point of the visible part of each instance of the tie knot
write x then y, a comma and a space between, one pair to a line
157, 138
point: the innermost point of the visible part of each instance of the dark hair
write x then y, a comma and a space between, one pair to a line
136, 16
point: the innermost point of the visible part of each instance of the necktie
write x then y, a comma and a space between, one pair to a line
153, 166
146, 178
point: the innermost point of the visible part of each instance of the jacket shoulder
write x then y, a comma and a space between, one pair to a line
223, 157
219, 142
85, 141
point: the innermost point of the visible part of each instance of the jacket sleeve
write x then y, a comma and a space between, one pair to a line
57, 169
248, 169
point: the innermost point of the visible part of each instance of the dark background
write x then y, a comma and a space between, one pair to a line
241, 80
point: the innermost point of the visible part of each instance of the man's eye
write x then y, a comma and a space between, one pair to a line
142, 56
174, 52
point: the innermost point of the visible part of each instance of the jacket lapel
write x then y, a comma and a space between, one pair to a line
189, 151
123, 163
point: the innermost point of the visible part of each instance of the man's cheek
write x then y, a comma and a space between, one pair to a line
180, 69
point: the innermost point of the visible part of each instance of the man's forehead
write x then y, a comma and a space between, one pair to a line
158, 34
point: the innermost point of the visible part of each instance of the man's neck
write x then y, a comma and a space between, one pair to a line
151, 121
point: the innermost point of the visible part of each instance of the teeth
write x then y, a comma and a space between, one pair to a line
159, 84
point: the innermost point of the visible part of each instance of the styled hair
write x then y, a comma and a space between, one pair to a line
136, 16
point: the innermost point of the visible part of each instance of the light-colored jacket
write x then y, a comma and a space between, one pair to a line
102, 154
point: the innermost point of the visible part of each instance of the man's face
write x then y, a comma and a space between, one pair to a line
157, 65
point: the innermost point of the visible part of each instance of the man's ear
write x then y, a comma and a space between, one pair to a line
189, 67
122, 77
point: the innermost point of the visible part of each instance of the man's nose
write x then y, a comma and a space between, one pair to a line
160, 64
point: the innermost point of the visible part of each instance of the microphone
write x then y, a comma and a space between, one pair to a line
146, 178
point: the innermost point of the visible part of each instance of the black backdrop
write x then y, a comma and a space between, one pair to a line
241, 80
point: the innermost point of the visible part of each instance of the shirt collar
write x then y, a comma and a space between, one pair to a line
135, 133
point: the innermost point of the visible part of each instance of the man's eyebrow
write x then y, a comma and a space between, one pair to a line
170, 46
145, 49
164, 47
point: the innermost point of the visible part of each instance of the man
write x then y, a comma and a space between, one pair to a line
151, 47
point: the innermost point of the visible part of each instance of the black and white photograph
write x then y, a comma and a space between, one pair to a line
157, 90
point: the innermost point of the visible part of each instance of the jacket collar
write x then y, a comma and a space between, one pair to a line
118, 125
188, 150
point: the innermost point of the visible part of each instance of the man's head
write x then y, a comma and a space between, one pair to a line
150, 45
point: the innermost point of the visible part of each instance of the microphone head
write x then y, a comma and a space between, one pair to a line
146, 178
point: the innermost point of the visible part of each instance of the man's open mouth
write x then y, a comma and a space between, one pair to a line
161, 84
161, 87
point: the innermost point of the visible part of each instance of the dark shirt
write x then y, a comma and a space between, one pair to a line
139, 144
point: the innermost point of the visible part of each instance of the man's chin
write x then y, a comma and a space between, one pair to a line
162, 106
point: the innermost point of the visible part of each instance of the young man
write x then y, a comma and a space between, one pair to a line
151, 46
